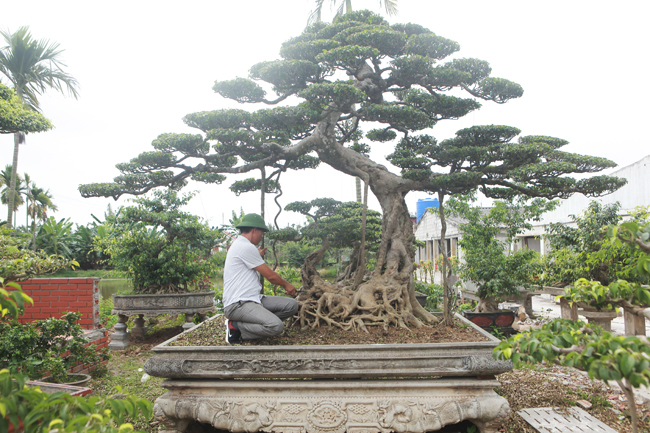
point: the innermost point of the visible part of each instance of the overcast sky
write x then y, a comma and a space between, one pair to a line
143, 65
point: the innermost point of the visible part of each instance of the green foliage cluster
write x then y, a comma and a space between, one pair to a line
60, 412
51, 346
604, 356
489, 261
18, 263
15, 117
587, 252
434, 294
161, 247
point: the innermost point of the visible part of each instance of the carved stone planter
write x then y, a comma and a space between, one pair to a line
356, 388
126, 306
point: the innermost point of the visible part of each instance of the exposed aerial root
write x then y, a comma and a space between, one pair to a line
374, 303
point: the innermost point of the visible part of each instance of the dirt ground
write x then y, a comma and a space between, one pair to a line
530, 387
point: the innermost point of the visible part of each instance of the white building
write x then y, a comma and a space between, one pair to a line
635, 193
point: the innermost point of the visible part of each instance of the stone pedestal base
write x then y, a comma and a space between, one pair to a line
602, 318
331, 406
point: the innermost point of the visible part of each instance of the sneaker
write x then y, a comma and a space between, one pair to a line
233, 336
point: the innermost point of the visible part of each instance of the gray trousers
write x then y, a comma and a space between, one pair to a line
259, 321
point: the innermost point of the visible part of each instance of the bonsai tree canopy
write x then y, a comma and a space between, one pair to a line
392, 82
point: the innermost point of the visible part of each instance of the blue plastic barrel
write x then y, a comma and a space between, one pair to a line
423, 204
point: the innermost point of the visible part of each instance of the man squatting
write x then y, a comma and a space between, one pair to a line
250, 315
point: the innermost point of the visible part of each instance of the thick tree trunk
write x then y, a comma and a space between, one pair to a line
388, 297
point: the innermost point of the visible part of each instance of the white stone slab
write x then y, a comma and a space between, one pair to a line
573, 420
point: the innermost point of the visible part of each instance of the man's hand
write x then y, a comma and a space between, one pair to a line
262, 251
291, 291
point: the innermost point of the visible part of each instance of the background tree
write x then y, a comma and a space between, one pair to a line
488, 257
345, 7
15, 117
32, 67
18, 191
361, 70
585, 251
162, 248
39, 202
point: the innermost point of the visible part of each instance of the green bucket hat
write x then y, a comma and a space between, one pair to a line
252, 220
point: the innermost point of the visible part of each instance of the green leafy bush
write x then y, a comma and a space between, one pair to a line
51, 346
41, 412
160, 247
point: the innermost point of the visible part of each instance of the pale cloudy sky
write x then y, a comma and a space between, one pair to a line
142, 65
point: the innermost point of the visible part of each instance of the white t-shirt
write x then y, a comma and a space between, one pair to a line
240, 280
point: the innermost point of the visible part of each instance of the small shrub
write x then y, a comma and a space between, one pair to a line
51, 346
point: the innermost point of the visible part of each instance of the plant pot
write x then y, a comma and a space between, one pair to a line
125, 306
421, 298
498, 319
51, 388
72, 380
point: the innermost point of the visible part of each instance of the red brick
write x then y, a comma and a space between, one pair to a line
49, 310
34, 287
38, 281
88, 310
85, 287
77, 304
59, 292
68, 287
68, 298
41, 316
31, 310
59, 280
87, 298
26, 316
81, 292
59, 304
42, 293
49, 298
85, 321
34, 298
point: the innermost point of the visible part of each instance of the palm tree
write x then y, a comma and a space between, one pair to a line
345, 7
18, 190
32, 67
41, 202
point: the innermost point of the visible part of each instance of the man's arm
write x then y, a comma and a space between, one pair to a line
276, 279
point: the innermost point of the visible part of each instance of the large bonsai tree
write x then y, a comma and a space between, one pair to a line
393, 78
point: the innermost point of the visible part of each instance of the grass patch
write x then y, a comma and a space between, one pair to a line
69, 273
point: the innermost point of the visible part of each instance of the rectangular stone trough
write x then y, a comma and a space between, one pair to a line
372, 388
315, 362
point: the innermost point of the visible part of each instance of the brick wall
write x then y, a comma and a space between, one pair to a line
53, 297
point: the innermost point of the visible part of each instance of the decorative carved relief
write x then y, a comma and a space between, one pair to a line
484, 365
334, 415
327, 417
265, 365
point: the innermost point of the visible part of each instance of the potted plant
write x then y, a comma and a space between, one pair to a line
489, 261
166, 253
48, 349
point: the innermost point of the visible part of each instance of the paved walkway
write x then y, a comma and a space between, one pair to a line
545, 306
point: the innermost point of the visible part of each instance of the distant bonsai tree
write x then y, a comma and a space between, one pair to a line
489, 260
162, 248
359, 71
